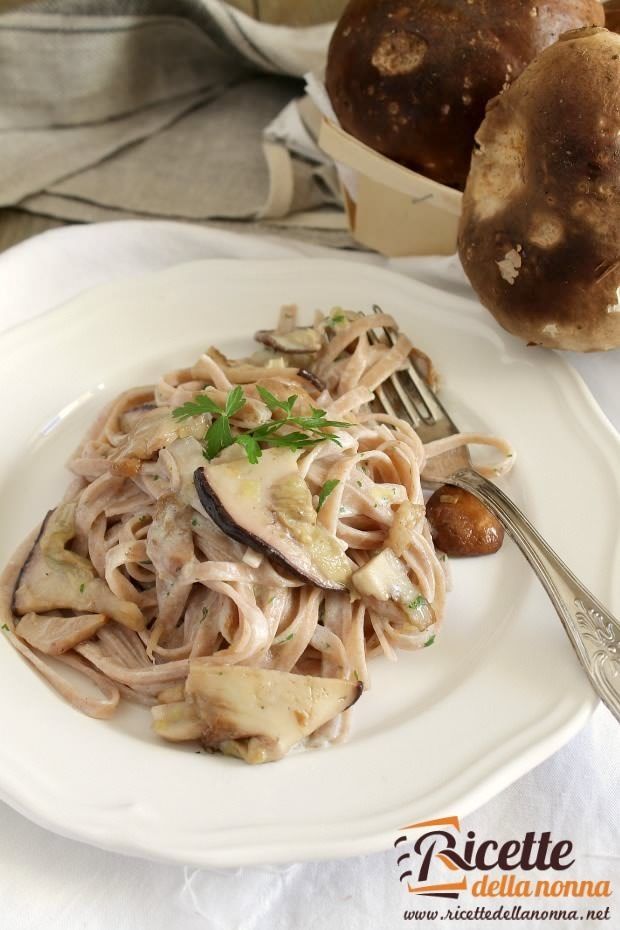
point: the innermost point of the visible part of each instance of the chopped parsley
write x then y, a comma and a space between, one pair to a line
418, 602
338, 318
326, 490
307, 431
194, 521
430, 641
5, 626
82, 586
289, 637
205, 611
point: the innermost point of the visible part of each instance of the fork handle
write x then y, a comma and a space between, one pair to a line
591, 628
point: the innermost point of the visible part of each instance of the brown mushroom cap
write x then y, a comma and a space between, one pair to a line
411, 78
612, 15
540, 230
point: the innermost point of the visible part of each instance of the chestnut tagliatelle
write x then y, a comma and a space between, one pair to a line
239, 540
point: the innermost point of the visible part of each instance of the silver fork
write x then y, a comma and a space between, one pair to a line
591, 628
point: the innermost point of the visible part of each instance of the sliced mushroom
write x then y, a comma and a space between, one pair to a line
407, 519
304, 340
131, 417
54, 578
255, 714
154, 430
385, 578
176, 721
55, 635
268, 506
310, 376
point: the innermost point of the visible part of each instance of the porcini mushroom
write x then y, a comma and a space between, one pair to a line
255, 714
54, 578
411, 78
268, 506
539, 235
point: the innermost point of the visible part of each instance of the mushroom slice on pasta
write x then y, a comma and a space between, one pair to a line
255, 714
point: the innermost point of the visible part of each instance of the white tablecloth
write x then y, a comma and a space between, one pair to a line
50, 882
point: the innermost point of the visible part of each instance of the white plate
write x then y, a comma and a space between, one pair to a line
442, 730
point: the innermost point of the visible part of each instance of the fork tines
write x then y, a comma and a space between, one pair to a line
405, 394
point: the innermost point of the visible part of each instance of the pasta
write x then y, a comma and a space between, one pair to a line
240, 596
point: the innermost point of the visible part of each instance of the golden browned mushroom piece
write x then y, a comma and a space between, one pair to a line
255, 714
411, 78
540, 230
55, 578
461, 525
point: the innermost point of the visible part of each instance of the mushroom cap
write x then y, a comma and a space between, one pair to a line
539, 236
411, 78
612, 15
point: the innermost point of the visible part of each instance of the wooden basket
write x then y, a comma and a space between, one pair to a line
395, 211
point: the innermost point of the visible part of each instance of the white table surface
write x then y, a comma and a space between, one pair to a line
49, 882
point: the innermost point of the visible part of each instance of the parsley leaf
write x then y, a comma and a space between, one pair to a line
218, 436
5, 626
272, 401
201, 404
430, 641
326, 490
235, 401
303, 431
252, 448
417, 602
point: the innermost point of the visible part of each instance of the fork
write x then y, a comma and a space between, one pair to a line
593, 631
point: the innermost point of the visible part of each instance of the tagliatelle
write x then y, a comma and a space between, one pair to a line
133, 583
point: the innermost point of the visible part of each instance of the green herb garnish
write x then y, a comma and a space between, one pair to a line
194, 521
308, 430
418, 602
338, 318
326, 490
82, 586
430, 641
5, 626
